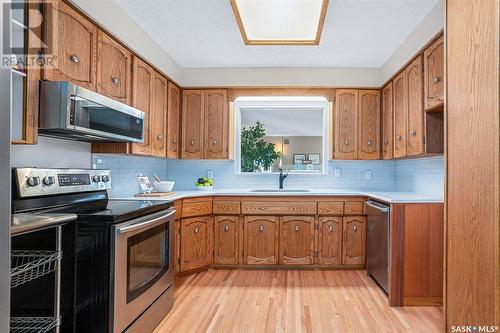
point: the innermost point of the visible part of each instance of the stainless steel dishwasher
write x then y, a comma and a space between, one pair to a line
377, 242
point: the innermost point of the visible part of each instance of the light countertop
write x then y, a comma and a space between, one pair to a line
385, 196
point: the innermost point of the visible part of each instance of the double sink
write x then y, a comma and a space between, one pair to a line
268, 190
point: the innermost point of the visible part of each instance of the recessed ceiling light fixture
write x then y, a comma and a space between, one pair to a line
280, 22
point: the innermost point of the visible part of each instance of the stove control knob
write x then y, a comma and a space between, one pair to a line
105, 178
96, 178
49, 180
33, 181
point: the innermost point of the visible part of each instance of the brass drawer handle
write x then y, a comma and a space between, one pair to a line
74, 58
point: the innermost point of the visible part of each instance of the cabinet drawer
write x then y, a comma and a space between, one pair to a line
196, 209
279, 208
330, 207
227, 207
353, 207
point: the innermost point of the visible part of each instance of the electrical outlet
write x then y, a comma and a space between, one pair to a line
368, 175
338, 173
210, 174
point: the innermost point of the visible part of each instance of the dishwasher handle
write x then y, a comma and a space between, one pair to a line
381, 208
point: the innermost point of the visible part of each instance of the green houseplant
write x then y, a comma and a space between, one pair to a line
256, 154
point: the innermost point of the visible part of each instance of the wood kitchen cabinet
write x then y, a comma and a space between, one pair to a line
72, 41
261, 237
400, 101
205, 124
196, 242
193, 124
227, 240
158, 120
330, 240
173, 118
297, 240
415, 108
113, 69
346, 124
369, 125
434, 75
216, 125
354, 240
387, 122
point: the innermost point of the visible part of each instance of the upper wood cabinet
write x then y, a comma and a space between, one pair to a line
193, 124
173, 118
142, 98
159, 116
369, 125
205, 124
72, 40
330, 240
216, 124
415, 87
196, 242
346, 124
387, 121
297, 240
261, 237
227, 240
400, 101
113, 69
354, 240
434, 74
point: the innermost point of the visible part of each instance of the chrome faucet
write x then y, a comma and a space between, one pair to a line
282, 178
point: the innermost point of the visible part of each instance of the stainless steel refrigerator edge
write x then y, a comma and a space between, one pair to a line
5, 174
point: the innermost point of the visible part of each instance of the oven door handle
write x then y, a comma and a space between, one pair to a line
148, 223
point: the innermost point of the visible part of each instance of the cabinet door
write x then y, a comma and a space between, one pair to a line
354, 240
173, 114
400, 114
216, 124
387, 121
227, 240
73, 41
142, 97
297, 240
159, 116
330, 240
261, 240
369, 125
196, 242
434, 74
192, 124
114, 63
415, 130
346, 128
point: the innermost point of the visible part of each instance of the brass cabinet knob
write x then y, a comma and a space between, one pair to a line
115, 80
369, 142
296, 228
74, 58
386, 141
214, 142
330, 228
174, 141
226, 227
400, 137
192, 142
261, 227
436, 78
346, 142
355, 228
413, 133
196, 230
159, 136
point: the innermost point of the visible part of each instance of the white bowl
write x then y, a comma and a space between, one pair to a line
204, 188
163, 186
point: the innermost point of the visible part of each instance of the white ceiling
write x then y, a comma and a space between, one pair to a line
204, 33
285, 122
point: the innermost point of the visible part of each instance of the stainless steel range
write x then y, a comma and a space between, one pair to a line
117, 269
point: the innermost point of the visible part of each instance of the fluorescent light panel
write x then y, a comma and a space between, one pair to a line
280, 22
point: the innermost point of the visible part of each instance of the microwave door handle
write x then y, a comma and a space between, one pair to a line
149, 223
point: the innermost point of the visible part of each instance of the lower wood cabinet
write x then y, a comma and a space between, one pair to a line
196, 242
227, 240
296, 240
330, 240
261, 237
354, 240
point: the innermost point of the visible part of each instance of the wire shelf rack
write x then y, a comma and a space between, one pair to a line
26, 266
33, 324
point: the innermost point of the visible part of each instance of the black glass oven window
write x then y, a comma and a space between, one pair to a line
101, 118
147, 259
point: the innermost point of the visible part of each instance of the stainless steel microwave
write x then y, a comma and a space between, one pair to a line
71, 112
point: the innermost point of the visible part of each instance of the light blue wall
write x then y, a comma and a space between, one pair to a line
424, 175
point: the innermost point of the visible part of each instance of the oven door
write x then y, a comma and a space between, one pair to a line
142, 257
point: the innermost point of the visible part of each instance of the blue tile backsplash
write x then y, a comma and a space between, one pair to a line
425, 175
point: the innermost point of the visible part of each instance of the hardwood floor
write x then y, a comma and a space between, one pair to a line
289, 301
